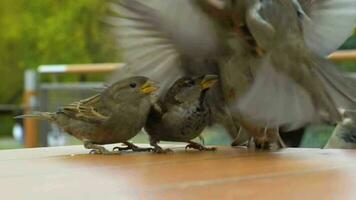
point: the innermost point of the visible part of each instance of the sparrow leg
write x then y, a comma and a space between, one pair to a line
95, 149
280, 140
201, 138
263, 144
251, 144
130, 146
197, 146
238, 142
270, 140
258, 135
157, 148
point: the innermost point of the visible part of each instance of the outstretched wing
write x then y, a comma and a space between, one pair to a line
156, 35
85, 110
278, 99
328, 23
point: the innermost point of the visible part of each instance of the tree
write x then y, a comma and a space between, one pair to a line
49, 32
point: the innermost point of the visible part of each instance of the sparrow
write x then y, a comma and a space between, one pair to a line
294, 85
156, 45
344, 134
115, 115
291, 83
181, 114
243, 38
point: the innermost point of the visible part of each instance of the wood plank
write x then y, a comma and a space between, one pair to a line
229, 173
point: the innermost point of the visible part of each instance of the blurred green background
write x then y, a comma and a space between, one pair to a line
35, 32
48, 32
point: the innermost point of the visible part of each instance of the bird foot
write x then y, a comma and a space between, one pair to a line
162, 151
266, 145
96, 149
132, 147
100, 150
237, 143
138, 149
199, 147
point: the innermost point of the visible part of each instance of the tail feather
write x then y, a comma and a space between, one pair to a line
38, 115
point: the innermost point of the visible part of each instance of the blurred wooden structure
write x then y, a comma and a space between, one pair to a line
31, 103
79, 68
343, 55
31, 129
71, 173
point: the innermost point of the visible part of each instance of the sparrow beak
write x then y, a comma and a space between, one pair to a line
208, 81
149, 87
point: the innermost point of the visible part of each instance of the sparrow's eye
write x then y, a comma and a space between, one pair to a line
133, 85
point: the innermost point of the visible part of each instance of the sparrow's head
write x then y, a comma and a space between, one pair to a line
190, 89
130, 89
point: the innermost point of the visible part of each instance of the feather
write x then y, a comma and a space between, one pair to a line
341, 89
329, 23
276, 100
155, 35
85, 110
38, 115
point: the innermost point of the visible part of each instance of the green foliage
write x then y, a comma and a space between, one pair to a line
316, 136
36, 32
49, 32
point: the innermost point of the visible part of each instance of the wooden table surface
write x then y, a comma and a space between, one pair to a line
229, 173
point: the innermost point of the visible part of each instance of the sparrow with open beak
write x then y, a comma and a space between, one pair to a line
182, 114
115, 115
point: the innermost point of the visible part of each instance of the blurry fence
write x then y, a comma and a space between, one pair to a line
48, 96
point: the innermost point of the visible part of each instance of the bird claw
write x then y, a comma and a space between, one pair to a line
265, 145
239, 144
96, 149
199, 147
139, 149
102, 151
133, 148
118, 149
162, 151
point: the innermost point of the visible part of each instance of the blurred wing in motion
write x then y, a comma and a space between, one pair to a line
328, 23
156, 35
276, 100
294, 86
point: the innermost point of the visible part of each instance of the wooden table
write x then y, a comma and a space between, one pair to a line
70, 173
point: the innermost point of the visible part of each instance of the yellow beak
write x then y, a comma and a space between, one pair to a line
149, 87
208, 81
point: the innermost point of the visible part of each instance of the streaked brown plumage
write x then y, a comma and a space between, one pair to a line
115, 115
182, 114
